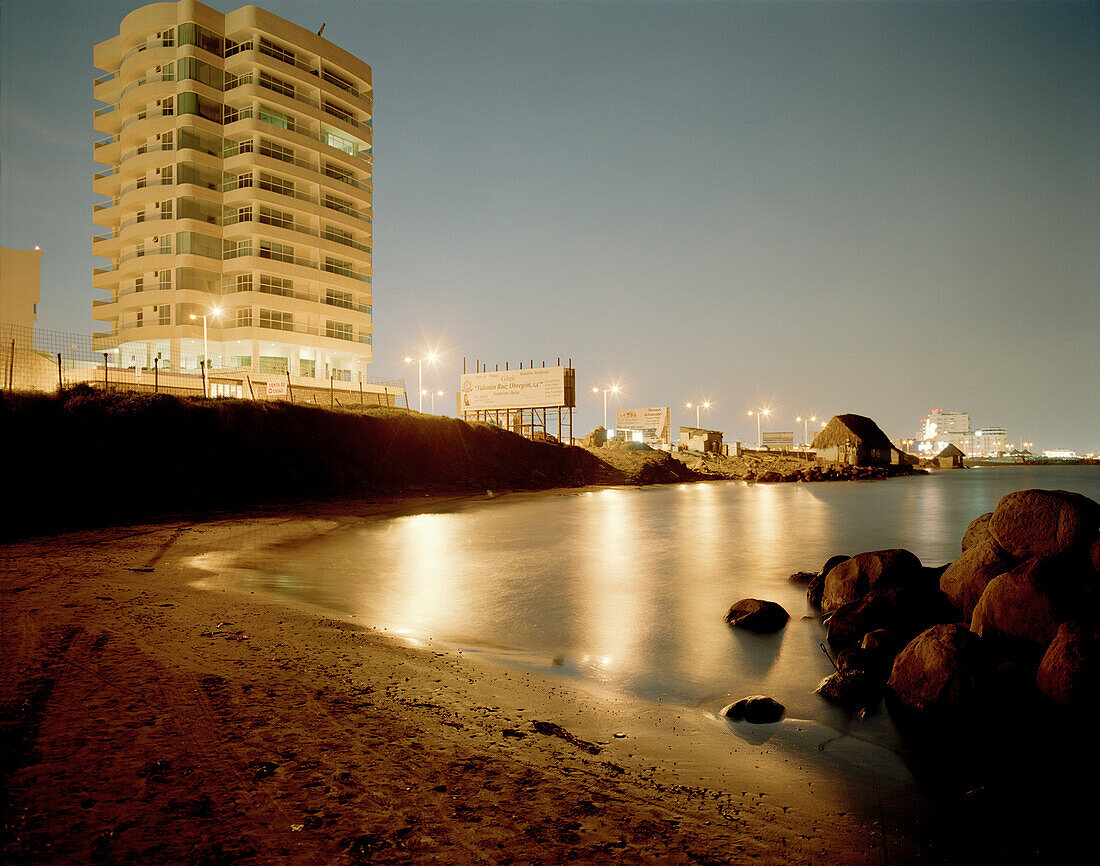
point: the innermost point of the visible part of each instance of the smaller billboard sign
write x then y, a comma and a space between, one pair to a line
276, 389
655, 423
779, 440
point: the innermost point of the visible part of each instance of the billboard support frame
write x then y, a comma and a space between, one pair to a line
526, 420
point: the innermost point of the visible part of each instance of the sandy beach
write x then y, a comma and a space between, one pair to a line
155, 712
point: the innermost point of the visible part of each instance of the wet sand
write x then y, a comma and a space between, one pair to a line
155, 713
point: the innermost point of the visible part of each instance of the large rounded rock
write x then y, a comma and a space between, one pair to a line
1070, 670
1044, 522
1018, 605
850, 580
850, 690
832, 562
965, 579
757, 615
756, 709
940, 670
977, 531
902, 610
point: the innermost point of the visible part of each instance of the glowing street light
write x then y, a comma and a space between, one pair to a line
759, 413
704, 405
216, 312
434, 393
430, 358
614, 389
805, 427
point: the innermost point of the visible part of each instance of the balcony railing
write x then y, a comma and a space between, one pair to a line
254, 147
289, 258
305, 67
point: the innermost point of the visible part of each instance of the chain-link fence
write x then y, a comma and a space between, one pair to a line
34, 359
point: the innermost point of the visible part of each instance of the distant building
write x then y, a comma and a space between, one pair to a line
236, 202
990, 441
699, 439
20, 286
941, 429
854, 439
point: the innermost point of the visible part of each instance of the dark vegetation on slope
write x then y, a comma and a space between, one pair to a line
94, 457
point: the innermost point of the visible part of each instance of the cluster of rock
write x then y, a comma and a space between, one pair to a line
827, 472
1015, 618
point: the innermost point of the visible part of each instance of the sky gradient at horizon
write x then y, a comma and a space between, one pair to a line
882, 208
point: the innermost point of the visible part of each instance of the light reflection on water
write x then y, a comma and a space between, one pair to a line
630, 586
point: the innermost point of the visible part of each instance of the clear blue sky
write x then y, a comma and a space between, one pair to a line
882, 208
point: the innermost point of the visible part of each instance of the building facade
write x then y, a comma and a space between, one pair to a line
236, 203
990, 442
941, 429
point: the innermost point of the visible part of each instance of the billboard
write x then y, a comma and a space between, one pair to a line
779, 440
655, 421
533, 388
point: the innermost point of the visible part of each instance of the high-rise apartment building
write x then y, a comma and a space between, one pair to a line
941, 429
236, 208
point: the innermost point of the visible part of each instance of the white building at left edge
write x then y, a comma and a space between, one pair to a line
235, 204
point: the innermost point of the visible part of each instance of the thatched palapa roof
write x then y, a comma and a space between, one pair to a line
851, 430
950, 451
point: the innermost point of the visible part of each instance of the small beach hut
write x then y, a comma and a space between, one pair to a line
853, 439
950, 458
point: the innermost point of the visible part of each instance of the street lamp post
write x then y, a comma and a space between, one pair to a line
805, 428
614, 389
434, 393
205, 348
704, 405
759, 436
420, 375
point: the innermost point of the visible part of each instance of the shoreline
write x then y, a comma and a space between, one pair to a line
125, 619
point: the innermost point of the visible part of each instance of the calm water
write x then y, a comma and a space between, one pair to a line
630, 586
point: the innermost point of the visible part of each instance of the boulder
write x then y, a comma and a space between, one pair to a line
902, 610
977, 531
939, 671
850, 580
861, 661
879, 640
596, 439
802, 576
1094, 556
757, 615
1069, 673
965, 579
757, 709
1031, 523
816, 587
814, 590
850, 690
1018, 606
831, 562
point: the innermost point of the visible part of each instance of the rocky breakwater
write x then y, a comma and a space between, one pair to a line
989, 665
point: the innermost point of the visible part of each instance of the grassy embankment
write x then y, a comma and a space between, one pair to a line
92, 457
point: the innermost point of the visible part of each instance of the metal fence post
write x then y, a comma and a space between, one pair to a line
60, 386
105, 370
